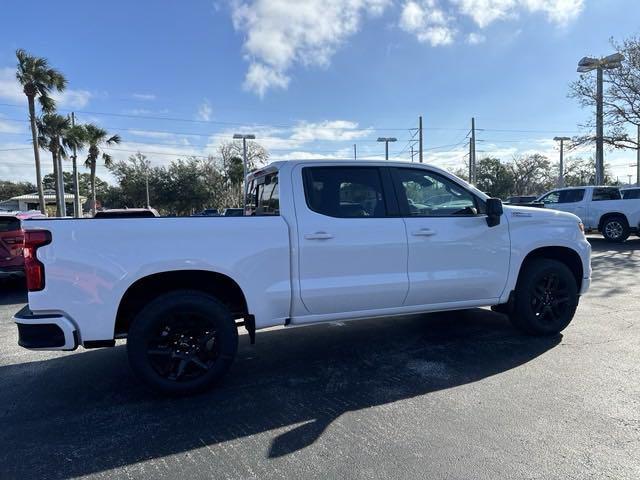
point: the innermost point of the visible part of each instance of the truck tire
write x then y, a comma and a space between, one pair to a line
615, 229
182, 342
546, 298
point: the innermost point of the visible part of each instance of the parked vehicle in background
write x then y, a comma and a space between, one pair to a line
233, 212
326, 241
601, 209
208, 212
127, 213
521, 199
11, 243
630, 193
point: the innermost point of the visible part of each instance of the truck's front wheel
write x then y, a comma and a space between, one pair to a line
182, 342
546, 297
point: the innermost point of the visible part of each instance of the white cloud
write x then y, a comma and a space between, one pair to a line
283, 33
427, 22
10, 90
336, 130
485, 12
475, 38
143, 96
204, 111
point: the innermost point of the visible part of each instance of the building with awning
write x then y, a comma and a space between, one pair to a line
30, 201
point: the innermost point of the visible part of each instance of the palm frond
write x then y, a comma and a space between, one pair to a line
115, 139
107, 159
47, 104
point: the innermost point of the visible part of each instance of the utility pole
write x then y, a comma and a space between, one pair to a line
77, 208
561, 174
355, 152
470, 155
62, 207
420, 139
147, 182
412, 152
638, 159
472, 159
244, 138
629, 177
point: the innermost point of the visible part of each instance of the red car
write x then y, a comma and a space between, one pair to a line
11, 241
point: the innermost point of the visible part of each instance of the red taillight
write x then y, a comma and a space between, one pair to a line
33, 268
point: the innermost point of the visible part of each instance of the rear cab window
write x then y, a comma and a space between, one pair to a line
631, 194
263, 196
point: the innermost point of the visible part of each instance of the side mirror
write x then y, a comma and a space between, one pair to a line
494, 211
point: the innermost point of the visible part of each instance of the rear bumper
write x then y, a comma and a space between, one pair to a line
45, 332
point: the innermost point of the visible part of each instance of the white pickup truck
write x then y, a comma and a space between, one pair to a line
322, 241
601, 209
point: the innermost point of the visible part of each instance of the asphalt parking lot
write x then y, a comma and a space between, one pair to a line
455, 395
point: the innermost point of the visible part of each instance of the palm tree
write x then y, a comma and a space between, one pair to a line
38, 80
56, 134
95, 137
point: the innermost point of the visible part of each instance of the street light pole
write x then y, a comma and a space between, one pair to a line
244, 138
561, 174
599, 130
386, 141
587, 64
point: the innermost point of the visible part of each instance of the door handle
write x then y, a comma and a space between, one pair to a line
318, 236
424, 232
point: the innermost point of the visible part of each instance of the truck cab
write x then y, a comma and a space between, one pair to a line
601, 209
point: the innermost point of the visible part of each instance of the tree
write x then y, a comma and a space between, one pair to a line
494, 177
56, 135
38, 80
231, 154
578, 171
621, 97
13, 189
84, 184
96, 138
532, 174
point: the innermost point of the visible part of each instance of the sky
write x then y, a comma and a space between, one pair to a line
312, 78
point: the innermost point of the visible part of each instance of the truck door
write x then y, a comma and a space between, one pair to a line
570, 200
352, 253
454, 256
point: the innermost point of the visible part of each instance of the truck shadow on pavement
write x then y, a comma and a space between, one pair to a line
83, 413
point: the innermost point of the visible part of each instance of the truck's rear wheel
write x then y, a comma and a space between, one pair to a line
182, 342
615, 229
546, 297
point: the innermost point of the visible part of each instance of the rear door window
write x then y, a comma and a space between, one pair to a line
345, 192
600, 194
631, 194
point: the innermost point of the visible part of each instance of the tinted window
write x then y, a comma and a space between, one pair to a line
606, 194
263, 196
9, 224
429, 194
344, 192
564, 196
631, 194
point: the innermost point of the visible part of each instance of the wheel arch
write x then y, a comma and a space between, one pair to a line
147, 288
608, 215
565, 255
